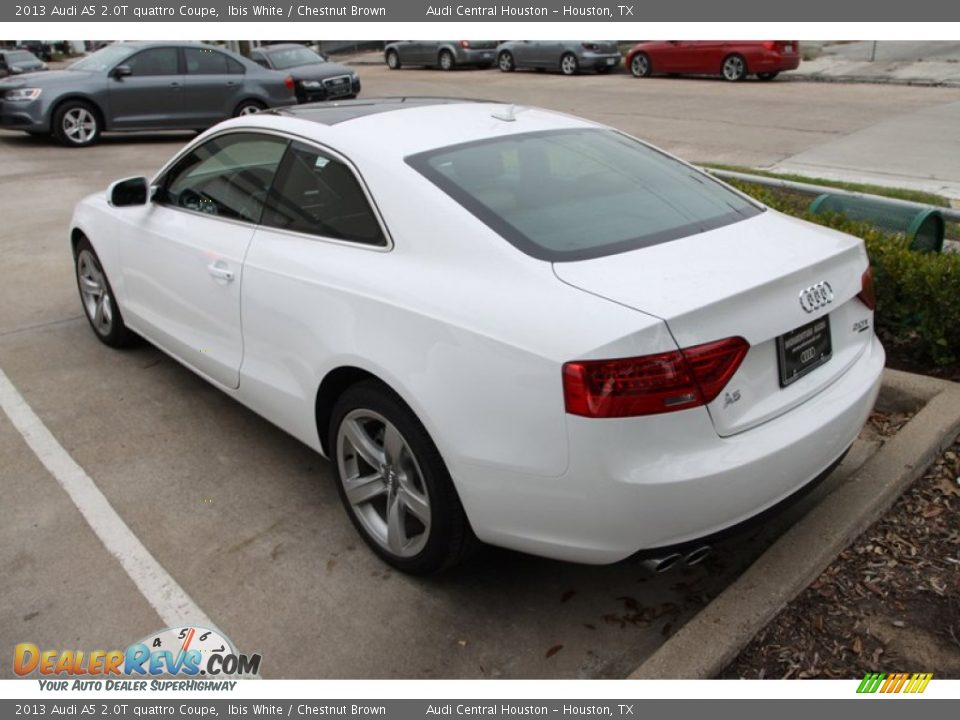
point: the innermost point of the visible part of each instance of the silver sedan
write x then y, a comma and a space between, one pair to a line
568, 56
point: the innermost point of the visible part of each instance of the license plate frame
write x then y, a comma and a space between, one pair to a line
803, 349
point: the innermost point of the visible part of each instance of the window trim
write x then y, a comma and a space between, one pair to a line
160, 177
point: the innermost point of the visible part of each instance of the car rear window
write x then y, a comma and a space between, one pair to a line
577, 194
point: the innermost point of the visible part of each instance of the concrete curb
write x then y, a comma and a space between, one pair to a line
871, 80
712, 639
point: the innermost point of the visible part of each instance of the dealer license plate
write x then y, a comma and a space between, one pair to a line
803, 349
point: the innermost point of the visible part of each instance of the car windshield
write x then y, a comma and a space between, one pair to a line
21, 56
577, 194
103, 59
292, 57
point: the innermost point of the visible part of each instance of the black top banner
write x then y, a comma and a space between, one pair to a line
490, 11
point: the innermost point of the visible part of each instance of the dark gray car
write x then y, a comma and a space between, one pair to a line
568, 56
140, 86
314, 77
444, 54
17, 62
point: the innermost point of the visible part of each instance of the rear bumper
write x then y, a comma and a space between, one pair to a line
599, 61
475, 56
774, 62
652, 482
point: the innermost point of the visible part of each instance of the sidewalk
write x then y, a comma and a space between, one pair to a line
897, 62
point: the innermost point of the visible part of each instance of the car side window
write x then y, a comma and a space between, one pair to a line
203, 61
318, 195
260, 59
228, 176
155, 61
233, 67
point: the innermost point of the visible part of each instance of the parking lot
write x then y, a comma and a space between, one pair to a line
244, 518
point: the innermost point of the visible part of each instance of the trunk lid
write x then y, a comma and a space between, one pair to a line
745, 280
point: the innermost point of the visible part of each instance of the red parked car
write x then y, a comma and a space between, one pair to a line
734, 59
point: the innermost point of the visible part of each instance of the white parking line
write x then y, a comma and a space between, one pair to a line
171, 602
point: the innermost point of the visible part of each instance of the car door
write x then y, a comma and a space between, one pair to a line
151, 94
183, 268
211, 86
546, 53
319, 235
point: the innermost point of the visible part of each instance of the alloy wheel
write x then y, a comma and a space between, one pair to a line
79, 125
97, 302
734, 68
383, 483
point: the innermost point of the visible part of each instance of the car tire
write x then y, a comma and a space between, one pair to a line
409, 514
248, 107
640, 66
767, 76
96, 295
734, 68
77, 124
569, 65
505, 62
445, 60
393, 60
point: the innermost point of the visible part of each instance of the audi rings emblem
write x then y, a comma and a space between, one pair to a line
816, 296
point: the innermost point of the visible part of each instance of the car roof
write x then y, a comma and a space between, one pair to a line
397, 127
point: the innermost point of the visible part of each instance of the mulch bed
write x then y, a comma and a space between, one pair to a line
888, 603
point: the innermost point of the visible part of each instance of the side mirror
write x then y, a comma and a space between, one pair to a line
132, 191
122, 71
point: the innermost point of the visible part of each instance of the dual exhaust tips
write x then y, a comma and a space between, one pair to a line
667, 562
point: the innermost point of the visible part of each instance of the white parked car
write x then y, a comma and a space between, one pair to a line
498, 322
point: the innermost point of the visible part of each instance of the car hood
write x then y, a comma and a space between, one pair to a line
318, 71
45, 79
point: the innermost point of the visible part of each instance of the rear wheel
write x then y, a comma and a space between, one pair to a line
393, 59
445, 60
640, 65
767, 76
393, 482
248, 107
505, 62
96, 295
76, 124
569, 65
734, 68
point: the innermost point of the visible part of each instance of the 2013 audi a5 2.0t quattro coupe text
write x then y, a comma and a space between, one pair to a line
497, 322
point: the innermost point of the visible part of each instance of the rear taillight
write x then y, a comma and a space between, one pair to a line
288, 82
592, 47
770, 44
464, 44
866, 294
651, 384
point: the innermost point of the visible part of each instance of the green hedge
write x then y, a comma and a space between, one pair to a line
918, 294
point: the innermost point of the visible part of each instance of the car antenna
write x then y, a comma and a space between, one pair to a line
507, 115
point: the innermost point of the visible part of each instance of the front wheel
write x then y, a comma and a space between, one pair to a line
569, 65
393, 482
640, 65
76, 124
393, 60
505, 62
734, 68
99, 302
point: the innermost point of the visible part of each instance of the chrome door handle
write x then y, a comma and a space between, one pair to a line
220, 271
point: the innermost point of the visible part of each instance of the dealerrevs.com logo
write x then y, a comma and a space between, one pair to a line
200, 659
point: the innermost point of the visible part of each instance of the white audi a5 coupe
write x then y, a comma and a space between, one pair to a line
498, 322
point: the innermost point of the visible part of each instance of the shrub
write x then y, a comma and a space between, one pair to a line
918, 294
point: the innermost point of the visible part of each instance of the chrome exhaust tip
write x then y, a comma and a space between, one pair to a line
695, 557
662, 564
